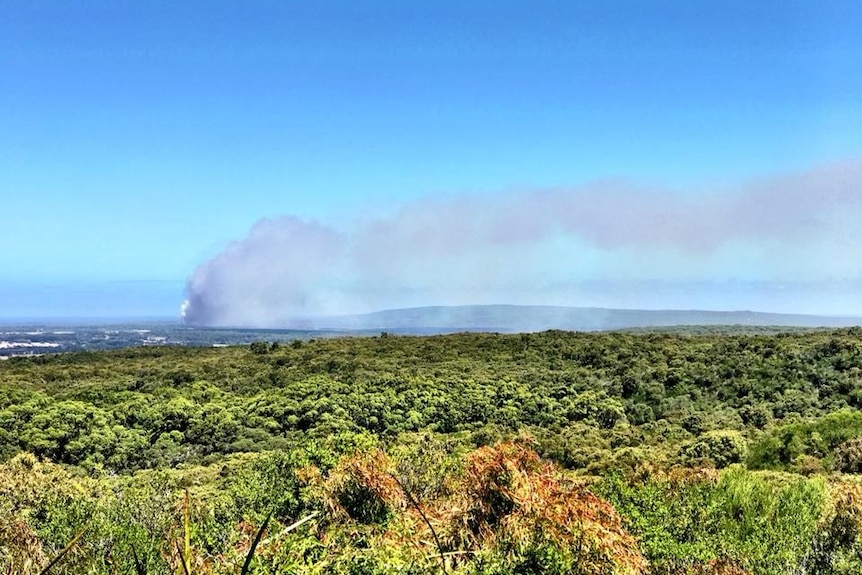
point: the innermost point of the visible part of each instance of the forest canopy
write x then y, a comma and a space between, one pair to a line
777, 401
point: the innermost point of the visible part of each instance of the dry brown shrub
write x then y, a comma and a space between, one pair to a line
511, 497
506, 499
846, 503
20, 549
363, 488
842, 521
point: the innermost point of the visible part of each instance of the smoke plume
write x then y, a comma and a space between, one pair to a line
537, 246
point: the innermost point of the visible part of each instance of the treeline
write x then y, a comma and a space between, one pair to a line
595, 402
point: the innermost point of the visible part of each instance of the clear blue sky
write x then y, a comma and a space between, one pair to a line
137, 138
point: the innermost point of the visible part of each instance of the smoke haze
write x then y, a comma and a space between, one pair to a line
782, 243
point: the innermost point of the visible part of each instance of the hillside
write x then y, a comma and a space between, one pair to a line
519, 318
475, 454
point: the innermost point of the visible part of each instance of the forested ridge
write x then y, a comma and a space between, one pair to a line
711, 452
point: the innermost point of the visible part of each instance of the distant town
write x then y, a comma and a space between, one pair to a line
31, 340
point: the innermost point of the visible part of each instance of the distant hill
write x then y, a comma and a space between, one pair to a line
518, 318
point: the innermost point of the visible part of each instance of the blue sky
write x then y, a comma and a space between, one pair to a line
137, 139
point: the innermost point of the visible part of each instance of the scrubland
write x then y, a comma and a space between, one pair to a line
555, 452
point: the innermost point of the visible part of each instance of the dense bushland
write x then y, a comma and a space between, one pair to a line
660, 453
593, 400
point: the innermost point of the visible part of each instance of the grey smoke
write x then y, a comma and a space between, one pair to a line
280, 265
513, 246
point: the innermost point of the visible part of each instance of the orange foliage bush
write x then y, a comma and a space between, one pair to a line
20, 549
512, 497
363, 488
507, 500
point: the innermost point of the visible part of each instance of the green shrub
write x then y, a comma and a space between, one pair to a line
721, 448
766, 523
784, 446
